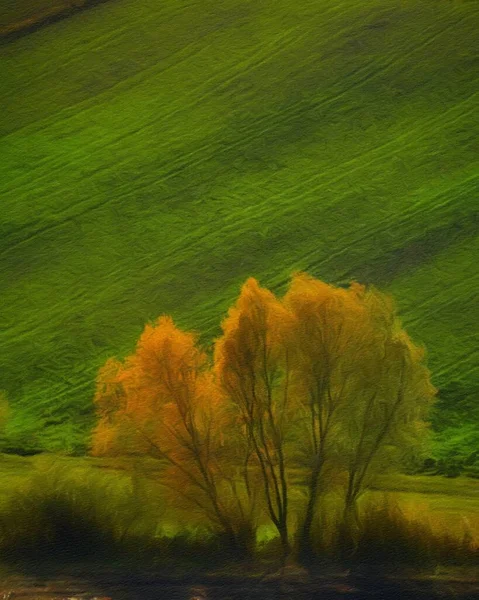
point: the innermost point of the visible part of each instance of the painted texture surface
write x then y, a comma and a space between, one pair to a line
155, 155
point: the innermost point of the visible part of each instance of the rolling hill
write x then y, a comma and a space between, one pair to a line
155, 154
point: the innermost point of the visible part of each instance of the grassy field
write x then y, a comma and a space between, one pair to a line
447, 505
155, 154
450, 505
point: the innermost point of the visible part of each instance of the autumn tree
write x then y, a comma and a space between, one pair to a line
323, 325
253, 362
386, 423
163, 402
363, 384
325, 378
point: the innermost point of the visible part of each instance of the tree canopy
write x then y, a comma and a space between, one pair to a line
323, 380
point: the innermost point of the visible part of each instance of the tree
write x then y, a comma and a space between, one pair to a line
253, 363
163, 402
364, 386
387, 421
324, 375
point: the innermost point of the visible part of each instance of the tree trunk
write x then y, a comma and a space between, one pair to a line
283, 534
305, 546
349, 530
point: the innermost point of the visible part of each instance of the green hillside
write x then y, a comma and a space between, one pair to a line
155, 154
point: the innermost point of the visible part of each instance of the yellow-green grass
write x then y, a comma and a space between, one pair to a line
445, 505
155, 154
425, 484
456, 514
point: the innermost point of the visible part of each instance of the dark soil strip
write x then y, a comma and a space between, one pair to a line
41, 20
114, 585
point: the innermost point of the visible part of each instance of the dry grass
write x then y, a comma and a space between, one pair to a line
69, 508
388, 531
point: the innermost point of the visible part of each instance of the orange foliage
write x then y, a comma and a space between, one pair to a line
325, 373
253, 349
113, 434
252, 363
165, 400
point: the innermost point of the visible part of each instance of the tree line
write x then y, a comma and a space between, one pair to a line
323, 381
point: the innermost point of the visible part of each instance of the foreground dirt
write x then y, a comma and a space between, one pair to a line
301, 586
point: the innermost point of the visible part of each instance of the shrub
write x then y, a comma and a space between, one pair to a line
60, 513
386, 536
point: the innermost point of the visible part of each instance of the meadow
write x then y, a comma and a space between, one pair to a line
60, 510
155, 155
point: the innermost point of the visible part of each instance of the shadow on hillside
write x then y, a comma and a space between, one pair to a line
37, 21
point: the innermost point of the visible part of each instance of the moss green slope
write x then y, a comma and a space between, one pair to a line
155, 154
